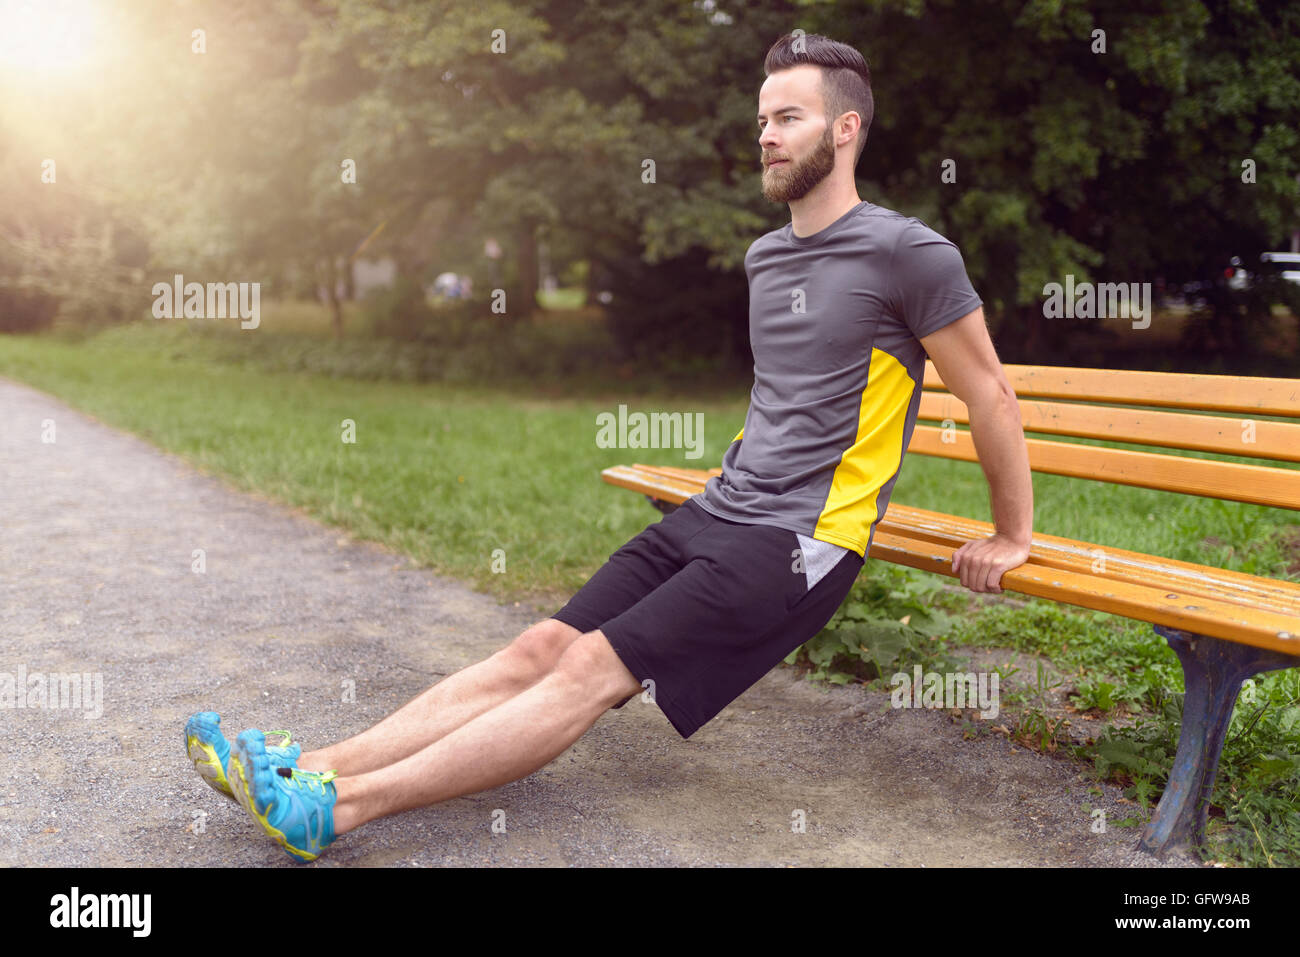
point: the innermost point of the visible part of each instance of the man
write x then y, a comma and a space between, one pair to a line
845, 301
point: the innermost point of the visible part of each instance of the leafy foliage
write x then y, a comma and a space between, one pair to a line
539, 122
885, 624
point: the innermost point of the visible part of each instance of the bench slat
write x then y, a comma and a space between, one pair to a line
1053, 551
1210, 393
654, 481
1178, 430
1232, 481
1206, 616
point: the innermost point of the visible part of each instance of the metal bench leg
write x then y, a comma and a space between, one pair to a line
1213, 670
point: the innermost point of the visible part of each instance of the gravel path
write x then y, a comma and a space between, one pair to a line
97, 532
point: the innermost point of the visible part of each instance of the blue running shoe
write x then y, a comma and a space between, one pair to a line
293, 806
208, 748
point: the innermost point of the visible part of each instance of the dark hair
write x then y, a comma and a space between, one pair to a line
846, 78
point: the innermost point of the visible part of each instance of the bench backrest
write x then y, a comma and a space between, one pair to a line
1096, 404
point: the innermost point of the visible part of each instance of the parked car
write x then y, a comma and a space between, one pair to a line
1287, 265
1236, 278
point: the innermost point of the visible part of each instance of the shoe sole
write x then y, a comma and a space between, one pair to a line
204, 755
238, 778
250, 775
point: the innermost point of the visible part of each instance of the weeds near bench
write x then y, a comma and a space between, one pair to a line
1255, 808
894, 619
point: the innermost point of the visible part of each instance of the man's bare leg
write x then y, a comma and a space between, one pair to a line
449, 704
505, 743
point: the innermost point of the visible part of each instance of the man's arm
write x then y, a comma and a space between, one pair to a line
965, 358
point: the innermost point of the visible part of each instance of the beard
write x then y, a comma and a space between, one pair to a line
784, 184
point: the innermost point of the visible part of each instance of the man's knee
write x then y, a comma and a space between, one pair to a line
539, 647
591, 661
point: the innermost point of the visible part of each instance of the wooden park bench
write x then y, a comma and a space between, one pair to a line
1225, 626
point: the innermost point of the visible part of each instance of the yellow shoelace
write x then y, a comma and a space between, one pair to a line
313, 778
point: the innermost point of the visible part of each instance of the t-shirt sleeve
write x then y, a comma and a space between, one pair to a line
928, 285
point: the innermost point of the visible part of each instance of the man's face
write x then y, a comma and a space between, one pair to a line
798, 145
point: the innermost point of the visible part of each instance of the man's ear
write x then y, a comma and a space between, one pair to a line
850, 122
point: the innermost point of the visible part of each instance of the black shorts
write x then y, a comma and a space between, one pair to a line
703, 607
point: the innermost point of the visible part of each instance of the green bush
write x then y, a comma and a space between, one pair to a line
26, 310
399, 311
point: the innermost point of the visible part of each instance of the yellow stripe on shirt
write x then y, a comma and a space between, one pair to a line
872, 459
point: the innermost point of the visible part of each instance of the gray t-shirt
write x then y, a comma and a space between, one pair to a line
834, 324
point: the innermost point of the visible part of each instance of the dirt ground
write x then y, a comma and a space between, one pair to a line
97, 535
